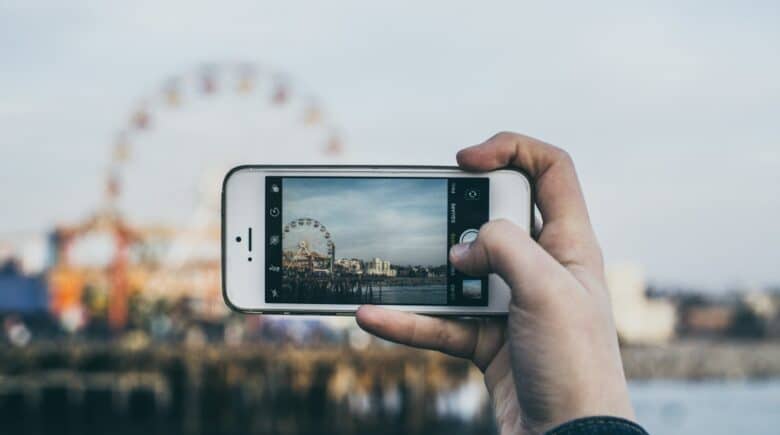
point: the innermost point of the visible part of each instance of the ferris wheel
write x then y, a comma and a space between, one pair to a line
183, 257
258, 90
307, 243
269, 91
272, 89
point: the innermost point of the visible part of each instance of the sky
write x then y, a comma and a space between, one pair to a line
669, 108
403, 221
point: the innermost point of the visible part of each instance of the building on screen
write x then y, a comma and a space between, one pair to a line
380, 267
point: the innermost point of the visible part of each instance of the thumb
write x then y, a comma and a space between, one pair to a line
509, 251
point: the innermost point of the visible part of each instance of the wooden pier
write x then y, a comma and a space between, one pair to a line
219, 389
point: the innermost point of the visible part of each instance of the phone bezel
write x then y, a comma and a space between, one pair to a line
253, 301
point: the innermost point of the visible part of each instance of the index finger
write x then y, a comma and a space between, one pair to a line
567, 233
464, 338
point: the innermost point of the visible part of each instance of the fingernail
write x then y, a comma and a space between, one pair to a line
459, 251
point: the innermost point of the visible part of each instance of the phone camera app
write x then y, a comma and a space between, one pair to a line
366, 240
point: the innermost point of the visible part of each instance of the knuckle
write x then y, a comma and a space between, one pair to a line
496, 238
414, 333
443, 339
582, 249
504, 136
561, 155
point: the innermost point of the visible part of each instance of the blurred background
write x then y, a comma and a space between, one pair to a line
118, 121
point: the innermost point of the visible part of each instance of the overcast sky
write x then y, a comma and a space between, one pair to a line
403, 220
670, 109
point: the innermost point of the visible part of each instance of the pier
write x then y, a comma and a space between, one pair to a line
220, 389
258, 388
344, 288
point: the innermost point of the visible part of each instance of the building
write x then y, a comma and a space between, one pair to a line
708, 320
421, 271
762, 304
350, 265
638, 319
380, 267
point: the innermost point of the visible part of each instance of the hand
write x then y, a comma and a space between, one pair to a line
555, 357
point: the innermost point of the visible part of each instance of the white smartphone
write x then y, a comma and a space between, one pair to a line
327, 239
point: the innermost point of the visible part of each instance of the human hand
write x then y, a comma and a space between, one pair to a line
555, 357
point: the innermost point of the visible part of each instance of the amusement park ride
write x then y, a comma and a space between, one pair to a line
161, 261
307, 246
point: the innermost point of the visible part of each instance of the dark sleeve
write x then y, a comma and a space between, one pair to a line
598, 426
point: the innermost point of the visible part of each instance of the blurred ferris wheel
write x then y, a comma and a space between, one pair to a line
196, 120
157, 227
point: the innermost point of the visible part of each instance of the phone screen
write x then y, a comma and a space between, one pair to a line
368, 240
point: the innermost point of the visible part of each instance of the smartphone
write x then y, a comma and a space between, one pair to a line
328, 239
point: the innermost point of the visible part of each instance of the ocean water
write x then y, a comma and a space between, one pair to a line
711, 407
416, 295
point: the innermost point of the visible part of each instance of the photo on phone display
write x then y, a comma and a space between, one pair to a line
369, 240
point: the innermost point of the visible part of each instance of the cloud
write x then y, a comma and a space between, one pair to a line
401, 220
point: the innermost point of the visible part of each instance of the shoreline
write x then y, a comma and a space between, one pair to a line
703, 360
683, 360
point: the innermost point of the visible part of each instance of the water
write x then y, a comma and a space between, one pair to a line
712, 407
435, 294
